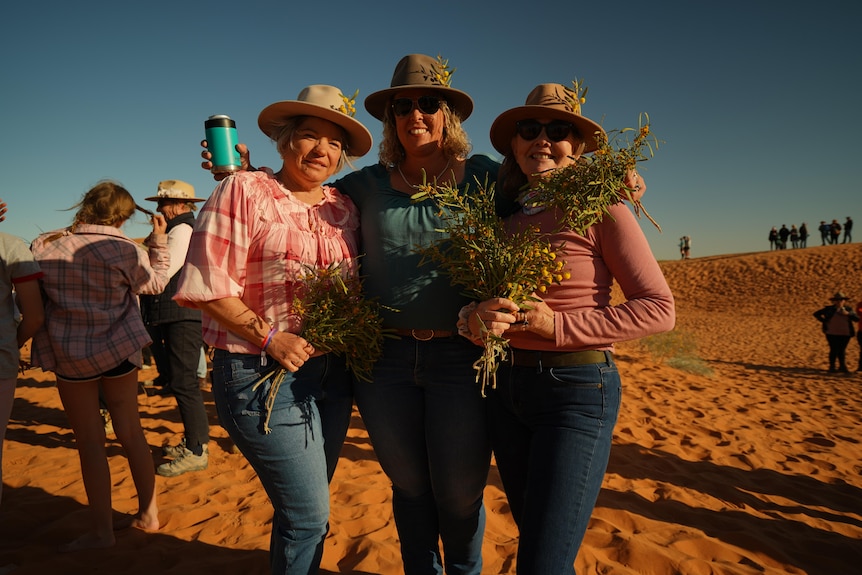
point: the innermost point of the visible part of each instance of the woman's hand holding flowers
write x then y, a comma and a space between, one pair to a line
499, 315
636, 184
290, 350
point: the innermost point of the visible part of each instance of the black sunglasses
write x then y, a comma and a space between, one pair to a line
556, 130
426, 104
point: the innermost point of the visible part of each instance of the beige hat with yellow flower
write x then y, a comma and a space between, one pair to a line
320, 101
552, 101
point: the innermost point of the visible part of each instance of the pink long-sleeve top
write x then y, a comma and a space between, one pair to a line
91, 277
253, 240
584, 318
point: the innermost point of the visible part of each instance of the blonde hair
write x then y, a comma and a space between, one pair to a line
105, 204
456, 143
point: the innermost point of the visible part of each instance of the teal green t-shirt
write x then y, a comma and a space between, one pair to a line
392, 227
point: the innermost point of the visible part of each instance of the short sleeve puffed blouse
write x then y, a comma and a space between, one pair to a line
253, 240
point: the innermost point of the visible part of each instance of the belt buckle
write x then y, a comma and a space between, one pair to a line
430, 333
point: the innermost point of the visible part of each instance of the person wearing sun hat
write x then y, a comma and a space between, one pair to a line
254, 240
176, 334
423, 399
552, 414
836, 321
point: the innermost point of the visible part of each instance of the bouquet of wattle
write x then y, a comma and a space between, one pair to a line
584, 191
479, 254
336, 318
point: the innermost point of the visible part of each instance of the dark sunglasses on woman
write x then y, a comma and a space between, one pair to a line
556, 130
426, 104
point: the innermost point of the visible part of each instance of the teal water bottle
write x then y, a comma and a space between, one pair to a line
221, 142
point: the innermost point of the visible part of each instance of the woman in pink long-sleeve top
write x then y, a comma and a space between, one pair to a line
557, 397
92, 339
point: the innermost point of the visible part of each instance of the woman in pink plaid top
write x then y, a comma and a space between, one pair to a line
92, 338
255, 237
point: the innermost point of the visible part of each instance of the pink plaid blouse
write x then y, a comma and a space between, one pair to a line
252, 240
91, 278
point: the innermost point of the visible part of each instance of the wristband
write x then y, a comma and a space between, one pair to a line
268, 339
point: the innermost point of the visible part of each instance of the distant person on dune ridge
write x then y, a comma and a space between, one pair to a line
803, 235
834, 232
848, 227
773, 239
837, 322
824, 232
783, 234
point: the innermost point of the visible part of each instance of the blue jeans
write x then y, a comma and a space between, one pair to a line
425, 416
290, 461
552, 430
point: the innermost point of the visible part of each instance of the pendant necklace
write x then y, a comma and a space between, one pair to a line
415, 187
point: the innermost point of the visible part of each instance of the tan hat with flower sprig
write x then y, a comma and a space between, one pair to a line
320, 101
553, 101
418, 71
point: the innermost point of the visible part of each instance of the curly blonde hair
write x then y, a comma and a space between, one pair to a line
456, 143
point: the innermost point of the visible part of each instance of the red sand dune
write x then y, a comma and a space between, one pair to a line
754, 469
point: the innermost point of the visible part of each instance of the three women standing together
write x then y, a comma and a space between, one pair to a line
423, 410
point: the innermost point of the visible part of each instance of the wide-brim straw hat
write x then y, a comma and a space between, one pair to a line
320, 101
553, 101
838, 296
418, 71
175, 190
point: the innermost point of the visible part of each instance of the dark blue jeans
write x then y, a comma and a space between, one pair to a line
552, 430
291, 460
425, 416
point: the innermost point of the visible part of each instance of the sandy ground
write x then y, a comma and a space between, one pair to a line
754, 468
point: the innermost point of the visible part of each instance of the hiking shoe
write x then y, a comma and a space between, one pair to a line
174, 451
186, 462
106, 421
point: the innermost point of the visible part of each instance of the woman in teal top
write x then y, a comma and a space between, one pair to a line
424, 411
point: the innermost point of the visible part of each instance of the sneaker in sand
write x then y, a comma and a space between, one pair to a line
174, 451
186, 462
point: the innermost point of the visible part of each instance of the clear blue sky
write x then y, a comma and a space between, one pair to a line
757, 101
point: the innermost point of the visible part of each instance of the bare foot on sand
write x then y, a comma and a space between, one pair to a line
88, 541
146, 523
124, 521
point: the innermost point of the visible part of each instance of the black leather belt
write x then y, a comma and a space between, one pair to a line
424, 334
526, 358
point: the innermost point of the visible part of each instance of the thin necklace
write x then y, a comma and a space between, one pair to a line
406, 181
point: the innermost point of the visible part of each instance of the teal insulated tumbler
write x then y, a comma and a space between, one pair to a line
221, 143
